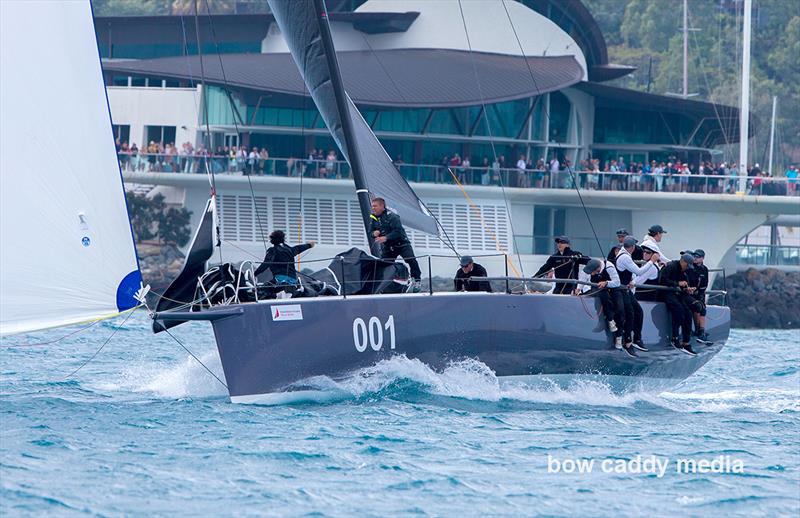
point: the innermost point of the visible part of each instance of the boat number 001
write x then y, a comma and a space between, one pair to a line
371, 333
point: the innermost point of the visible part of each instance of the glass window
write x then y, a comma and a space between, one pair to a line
122, 132
559, 117
163, 134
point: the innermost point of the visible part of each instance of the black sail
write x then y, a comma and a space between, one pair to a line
182, 290
299, 22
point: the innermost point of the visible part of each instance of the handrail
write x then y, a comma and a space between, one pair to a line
471, 175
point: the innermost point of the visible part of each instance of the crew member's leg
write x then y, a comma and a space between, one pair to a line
407, 253
613, 310
627, 306
638, 322
676, 313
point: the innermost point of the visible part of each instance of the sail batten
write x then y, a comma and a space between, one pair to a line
66, 247
297, 20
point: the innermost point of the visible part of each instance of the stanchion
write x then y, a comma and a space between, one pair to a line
430, 277
505, 256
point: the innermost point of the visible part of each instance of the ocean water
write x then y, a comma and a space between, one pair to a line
143, 429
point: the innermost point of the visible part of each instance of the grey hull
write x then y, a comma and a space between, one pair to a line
271, 347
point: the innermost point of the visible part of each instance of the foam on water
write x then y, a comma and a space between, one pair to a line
146, 420
470, 379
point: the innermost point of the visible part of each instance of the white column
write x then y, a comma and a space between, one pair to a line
744, 115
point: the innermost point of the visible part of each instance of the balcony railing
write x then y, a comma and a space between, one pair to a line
485, 176
768, 255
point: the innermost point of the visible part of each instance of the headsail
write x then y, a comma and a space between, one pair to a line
181, 291
299, 22
66, 247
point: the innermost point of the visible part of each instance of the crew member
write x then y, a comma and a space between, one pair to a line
673, 275
279, 259
698, 284
470, 270
622, 233
605, 276
562, 265
389, 232
654, 236
627, 268
650, 277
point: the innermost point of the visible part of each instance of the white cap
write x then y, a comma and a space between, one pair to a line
651, 245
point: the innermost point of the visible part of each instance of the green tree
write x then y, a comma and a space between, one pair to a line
152, 218
173, 226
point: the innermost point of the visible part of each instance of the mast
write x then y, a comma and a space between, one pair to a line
685, 48
744, 111
347, 126
772, 132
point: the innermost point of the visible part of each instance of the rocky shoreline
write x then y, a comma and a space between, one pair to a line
159, 264
763, 299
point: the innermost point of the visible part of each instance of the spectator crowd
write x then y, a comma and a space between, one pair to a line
671, 175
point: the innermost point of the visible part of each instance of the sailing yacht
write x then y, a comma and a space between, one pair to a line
270, 346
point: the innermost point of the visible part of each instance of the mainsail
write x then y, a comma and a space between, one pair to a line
299, 21
66, 247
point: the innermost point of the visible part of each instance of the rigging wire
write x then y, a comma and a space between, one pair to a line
235, 124
545, 111
196, 358
207, 138
708, 85
56, 340
489, 131
447, 241
486, 226
107, 340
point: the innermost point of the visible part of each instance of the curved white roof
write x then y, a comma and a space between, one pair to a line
440, 26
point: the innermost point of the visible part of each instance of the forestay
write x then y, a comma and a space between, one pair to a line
299, 23
66, 248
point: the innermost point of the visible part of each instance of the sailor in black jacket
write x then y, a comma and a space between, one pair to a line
637, 254
698, 284
563, 264
472, 271
388, 230
279, 259
673, 275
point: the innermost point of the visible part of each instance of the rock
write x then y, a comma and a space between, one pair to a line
764, 299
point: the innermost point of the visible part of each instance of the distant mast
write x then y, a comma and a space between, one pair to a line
772, 133
744, 112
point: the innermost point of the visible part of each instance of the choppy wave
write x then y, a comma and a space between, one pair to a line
469, 379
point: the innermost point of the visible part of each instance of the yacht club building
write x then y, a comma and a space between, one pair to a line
538, 72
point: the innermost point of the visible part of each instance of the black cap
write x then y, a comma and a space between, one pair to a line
592, 265
562, 239
689, 258
656, 229
622, 232
629, 241
465, 260
699, 253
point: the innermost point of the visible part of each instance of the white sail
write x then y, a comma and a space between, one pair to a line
66, 247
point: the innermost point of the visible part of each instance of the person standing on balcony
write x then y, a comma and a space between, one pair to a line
521, 165
388, 231
791, 180
465, 174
